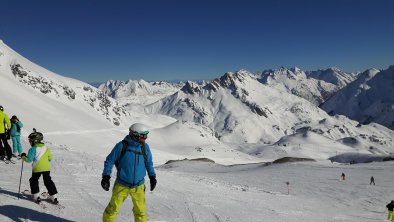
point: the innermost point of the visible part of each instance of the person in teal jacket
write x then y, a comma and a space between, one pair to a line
132, 165
41, 156
16, 126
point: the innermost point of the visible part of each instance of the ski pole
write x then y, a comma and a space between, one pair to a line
20, 180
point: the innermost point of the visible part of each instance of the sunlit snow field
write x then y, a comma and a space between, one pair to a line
204, 191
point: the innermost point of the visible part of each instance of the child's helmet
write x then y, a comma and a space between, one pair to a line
35, 137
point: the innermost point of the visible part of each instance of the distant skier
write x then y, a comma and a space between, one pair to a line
372, 181
15, 132
41, 156
131, 170
5, 148
390, 207
343, 176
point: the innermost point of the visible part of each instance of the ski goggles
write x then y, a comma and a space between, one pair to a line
144, 136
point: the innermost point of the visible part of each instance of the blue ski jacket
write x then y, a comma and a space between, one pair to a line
132, 166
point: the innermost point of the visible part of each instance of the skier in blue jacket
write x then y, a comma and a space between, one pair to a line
132, 166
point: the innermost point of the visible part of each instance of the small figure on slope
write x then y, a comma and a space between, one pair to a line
372, 181
16, 126
41, 156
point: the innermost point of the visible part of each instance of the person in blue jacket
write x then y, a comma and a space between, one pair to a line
132, 158
15, 132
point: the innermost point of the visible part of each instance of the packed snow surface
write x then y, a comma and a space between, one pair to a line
205, 191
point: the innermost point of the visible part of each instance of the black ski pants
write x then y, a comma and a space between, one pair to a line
49, 184
4, 146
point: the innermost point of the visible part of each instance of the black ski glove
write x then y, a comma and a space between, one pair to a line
153, 182
105, 182
8, 134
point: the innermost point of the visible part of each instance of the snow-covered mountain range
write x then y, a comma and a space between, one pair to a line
332, 75
134, 94
77, 116
271, 109
370, 98
118, 89
239, 109
314, 86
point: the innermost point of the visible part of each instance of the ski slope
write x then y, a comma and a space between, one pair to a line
205, 191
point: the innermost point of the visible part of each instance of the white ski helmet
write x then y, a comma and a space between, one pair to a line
138, 128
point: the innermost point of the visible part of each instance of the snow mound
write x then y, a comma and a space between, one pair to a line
184, 139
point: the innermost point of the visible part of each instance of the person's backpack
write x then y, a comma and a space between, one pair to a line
124, 149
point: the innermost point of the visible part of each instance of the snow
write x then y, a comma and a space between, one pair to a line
297, 82
203, 191
332, 75
239, 109
222, 124
133, 95
368, 99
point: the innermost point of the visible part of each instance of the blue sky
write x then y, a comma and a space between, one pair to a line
94, 41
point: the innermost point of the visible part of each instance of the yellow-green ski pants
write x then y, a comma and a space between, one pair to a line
119, 195
390, 216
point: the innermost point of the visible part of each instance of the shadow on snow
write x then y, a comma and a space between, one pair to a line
18, 213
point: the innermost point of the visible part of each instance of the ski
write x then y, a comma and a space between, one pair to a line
45, 196
28, 196
9, 161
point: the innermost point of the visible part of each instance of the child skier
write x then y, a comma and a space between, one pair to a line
40, 155
16, 126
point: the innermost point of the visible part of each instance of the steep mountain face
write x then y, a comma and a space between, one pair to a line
297, 82
118, 89
333, 76
370, 98
26, 86
137, 92
239, 109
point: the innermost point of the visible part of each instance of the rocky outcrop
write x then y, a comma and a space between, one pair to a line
293, 159
95, 98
